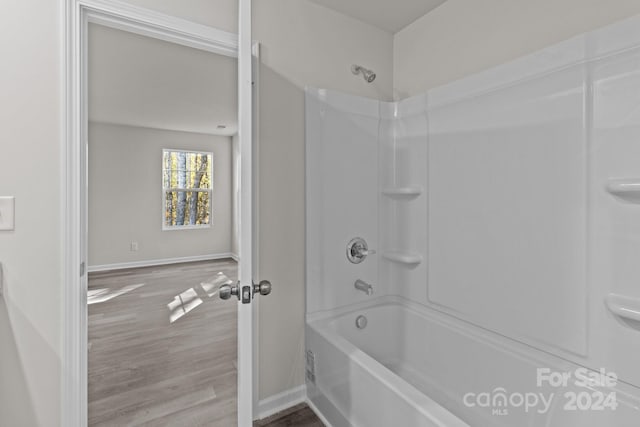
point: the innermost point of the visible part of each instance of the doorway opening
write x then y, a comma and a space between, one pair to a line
162, 229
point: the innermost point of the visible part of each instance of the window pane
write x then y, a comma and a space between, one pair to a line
187, 208
187, 183
187, 170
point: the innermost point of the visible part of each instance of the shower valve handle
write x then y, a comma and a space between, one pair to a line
366, 252
357, 250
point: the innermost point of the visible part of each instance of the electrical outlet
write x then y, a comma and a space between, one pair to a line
134, 246
7, 210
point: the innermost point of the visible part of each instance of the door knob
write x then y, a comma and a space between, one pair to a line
262, 288
225, 291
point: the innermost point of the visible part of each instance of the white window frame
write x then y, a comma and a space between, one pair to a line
166, 227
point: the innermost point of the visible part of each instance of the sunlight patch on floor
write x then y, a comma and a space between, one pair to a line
183, 304
96, 296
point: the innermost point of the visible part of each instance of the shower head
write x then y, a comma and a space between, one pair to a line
368, 75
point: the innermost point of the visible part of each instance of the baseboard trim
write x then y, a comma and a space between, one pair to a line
235, 257
152, 262
281, 401
317, 412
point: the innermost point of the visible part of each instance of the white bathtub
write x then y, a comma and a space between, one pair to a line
389, 374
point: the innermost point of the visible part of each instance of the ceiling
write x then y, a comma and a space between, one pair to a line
390, 15
140, 81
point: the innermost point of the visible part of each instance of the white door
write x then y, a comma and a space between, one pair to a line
245, 268
246, 289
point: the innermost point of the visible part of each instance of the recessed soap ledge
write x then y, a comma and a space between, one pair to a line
625, 188
408, 258
623, 306
402, 192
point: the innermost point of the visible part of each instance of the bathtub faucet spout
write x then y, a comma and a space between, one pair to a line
364, 287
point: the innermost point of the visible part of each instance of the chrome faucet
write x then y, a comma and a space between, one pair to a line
364, 287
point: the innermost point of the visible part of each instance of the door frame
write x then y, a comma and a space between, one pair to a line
77, 15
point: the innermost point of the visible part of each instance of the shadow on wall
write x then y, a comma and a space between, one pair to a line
281, 231
16, 401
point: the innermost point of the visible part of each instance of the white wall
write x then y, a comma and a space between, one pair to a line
462, 37
125, 195
30, 153
302, 44
310, 45
189, 90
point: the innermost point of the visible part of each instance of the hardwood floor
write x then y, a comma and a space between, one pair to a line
299, 416
162, 346
162, 349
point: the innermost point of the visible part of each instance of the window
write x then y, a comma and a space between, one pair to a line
187, 182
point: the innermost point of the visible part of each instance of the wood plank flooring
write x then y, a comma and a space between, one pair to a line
162, 346
162, 349
300, 416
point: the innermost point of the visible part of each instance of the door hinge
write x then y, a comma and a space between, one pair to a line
310, 367
82, 268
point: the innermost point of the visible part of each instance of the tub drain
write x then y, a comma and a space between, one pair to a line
361, 322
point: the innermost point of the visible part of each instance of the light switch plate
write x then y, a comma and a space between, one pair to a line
7, 213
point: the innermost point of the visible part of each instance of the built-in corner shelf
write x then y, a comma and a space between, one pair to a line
402, 193
625, 188
623, 306
407, 258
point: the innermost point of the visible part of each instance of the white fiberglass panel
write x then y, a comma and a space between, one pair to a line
507, 217
342, 196
403, 200
616, 216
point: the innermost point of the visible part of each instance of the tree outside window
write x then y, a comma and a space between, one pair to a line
187, 181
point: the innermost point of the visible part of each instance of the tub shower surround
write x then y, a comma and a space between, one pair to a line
504, 211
